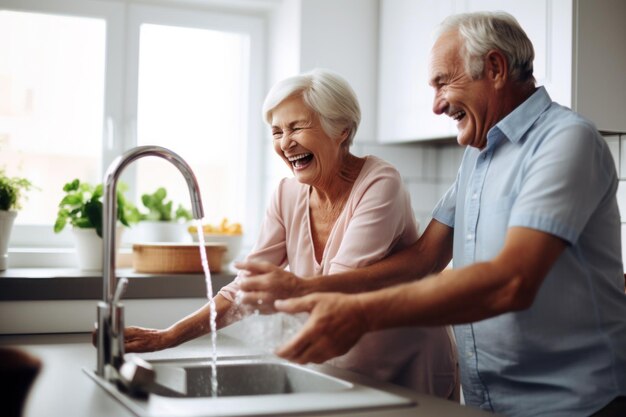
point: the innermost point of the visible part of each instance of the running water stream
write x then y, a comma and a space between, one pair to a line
209, 293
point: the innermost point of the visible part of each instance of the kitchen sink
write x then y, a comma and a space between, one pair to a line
237, 377
248, 386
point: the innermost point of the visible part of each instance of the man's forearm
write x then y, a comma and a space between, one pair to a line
429, 255
459, 296
508, 283
388, 272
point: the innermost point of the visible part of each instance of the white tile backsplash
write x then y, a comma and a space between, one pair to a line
423, 195
614, 146
617, 145
449, 160
408, 159
430, 162
621, 200
622, 157
623, 246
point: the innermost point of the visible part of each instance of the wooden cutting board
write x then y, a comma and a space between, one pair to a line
176, 258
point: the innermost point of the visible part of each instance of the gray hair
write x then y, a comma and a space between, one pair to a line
326, 93
485, 31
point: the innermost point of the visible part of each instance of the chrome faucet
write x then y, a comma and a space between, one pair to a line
110, 341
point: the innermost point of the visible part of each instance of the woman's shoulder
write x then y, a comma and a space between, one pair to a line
289, 190
376, 168
379, 181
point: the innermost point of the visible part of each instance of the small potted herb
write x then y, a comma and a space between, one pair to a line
162, 223
81, 207
12, 192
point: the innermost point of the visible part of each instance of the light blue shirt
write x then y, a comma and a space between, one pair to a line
545, 168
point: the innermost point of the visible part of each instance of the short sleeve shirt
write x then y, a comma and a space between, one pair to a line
545, 168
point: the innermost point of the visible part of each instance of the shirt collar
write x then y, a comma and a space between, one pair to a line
515, 125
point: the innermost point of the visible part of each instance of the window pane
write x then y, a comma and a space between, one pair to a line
51, 104
193, 99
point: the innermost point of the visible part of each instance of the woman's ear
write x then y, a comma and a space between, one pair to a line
343, 137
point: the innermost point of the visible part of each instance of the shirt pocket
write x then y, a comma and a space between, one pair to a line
493, 224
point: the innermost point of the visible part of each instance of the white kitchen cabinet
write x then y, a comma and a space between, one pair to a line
579, 58
599, 63
404, 96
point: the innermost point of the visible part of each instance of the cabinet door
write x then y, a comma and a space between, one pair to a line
548, 24
404, 96
406, 35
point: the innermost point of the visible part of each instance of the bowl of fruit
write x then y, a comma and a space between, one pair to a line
230, 234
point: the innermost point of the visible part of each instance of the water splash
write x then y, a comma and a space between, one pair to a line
266, 332
209, 294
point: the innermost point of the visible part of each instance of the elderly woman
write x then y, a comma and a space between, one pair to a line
339, 211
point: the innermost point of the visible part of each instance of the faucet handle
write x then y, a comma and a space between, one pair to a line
117, 319
122, 284
136, 372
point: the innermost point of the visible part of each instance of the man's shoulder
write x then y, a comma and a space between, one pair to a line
561, 124
562, 117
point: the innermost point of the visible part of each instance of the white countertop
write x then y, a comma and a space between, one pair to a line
63, 389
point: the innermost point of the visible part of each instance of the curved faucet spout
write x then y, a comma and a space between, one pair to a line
109, 220
109, 215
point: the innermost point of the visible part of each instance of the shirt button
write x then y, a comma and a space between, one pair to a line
474, 196
469, 236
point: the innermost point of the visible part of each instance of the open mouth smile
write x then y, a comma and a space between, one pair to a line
301, 160
458, 116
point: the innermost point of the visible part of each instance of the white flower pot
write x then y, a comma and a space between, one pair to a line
156, 231
89, 248
6, 225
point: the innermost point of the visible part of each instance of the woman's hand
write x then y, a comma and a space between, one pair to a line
265, 283
336, 323
139, 339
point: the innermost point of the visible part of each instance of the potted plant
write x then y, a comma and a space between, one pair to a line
81, 207
162, 223
12, 190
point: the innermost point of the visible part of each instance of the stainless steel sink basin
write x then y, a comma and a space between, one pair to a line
241, 377
248, 386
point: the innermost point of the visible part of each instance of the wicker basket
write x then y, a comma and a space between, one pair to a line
176, 258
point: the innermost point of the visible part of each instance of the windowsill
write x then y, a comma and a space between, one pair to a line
44, 284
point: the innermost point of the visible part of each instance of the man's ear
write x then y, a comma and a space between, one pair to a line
496, 68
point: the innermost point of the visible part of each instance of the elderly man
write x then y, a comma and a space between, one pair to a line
537, 292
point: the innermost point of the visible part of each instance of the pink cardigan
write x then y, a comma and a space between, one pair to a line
376, 221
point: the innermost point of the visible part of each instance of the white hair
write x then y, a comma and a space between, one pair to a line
485, 31
324, 92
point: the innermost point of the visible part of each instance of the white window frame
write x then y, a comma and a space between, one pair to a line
123, 20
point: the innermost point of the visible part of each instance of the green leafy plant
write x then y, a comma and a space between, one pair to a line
82, 207
161, 210
12, 191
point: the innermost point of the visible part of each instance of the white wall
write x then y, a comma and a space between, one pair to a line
342, 35
338, 35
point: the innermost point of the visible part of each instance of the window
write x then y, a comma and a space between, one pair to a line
51, 102
83, 80
207, 75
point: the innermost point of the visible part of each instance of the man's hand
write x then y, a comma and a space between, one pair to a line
336, 323
264, 283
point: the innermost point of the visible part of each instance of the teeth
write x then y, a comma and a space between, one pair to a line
458, 115
296, 157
